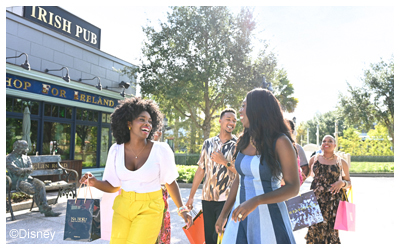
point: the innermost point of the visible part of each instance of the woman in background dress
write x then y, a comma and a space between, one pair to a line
328, 188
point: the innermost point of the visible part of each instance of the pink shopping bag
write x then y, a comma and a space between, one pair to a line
346, 215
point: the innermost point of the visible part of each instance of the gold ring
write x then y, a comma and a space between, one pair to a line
240, 216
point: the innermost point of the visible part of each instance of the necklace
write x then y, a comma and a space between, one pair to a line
139, 152
330, 158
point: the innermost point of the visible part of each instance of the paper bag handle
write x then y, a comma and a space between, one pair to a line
87, 187
350, 193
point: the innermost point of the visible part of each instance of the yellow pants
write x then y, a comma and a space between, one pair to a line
137, 217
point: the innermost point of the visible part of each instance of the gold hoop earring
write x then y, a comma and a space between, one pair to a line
129, 128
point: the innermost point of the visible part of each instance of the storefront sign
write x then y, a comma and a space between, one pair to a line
37, 87
57, 19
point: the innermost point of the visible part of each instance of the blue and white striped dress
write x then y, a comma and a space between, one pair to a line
268, 223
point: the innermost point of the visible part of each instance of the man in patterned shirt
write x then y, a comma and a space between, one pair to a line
216, 166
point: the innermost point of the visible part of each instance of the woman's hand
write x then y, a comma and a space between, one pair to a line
187, 218
219, 225
189, 203
244, 209
88, 179
336, 187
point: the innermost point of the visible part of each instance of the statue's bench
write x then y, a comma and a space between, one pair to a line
48, 165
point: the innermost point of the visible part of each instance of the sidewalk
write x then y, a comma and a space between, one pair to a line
375, 220
33, 228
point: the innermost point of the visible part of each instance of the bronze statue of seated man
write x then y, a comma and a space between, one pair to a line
19, 167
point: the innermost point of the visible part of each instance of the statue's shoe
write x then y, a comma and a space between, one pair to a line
51, 214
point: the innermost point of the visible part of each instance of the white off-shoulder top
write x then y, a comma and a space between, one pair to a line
159, 169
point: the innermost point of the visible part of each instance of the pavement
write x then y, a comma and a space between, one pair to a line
375, 217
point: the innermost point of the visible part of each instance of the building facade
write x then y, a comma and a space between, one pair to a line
69, 89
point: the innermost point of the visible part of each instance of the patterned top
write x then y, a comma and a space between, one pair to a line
218, 179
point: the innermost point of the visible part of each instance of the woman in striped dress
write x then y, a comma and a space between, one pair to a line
265, 154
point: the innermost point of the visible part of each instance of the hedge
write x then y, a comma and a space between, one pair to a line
370, 158
187, 159
186, 173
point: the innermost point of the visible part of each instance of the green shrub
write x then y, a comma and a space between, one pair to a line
187, 159
186, 173
19, 196
370, 158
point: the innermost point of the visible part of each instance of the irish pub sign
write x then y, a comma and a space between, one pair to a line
59, 20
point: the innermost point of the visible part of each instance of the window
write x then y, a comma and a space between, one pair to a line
56, 138
87, 115
54, 110
86, 145
104, 146
18, 105
105, 118
9, 104
14, 133
47, 109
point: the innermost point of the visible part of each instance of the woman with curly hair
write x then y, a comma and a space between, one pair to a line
137, 167
265, 153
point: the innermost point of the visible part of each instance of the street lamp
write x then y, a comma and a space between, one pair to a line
26, 64
65, 78
98, 86
123, 85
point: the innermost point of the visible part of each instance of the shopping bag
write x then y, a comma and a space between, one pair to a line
195, 233
346, 214
304, 210
82, 220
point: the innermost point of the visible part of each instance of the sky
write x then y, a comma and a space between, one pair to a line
320, 47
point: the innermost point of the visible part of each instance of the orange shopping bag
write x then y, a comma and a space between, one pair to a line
195, 233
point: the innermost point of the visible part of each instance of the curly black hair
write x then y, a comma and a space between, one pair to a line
128, 110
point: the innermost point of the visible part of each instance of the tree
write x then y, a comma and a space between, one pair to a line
195, 61
376, 144
378, 141
351, 142
374, 101
326, 123
283, 91
199, 62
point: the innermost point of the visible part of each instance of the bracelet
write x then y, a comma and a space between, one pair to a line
346, 184
182, 209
